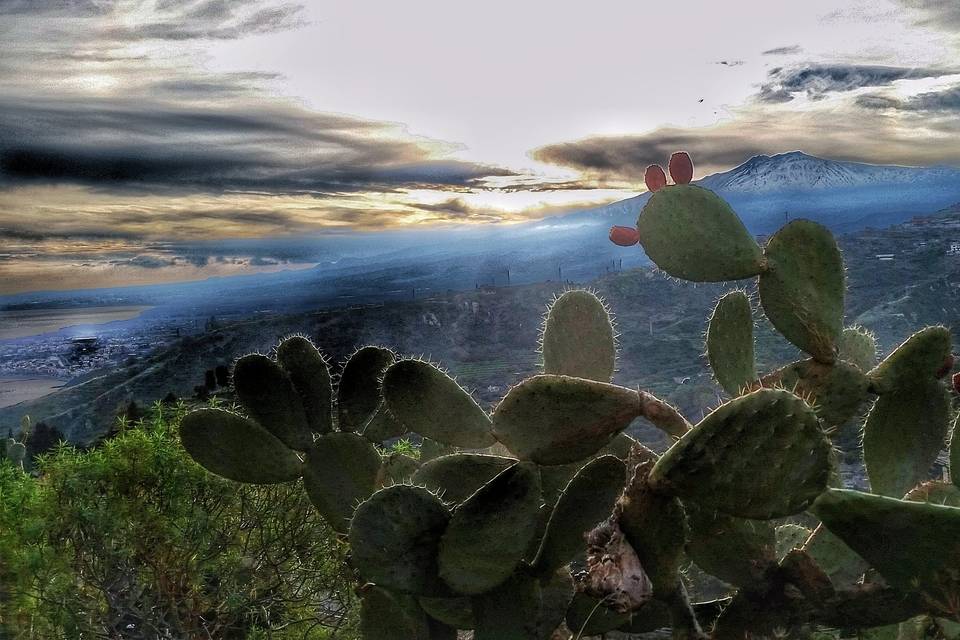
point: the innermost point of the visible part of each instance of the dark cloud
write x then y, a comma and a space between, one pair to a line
783, 51
941, 14
817, 81
945, 101
178, 20
257, 147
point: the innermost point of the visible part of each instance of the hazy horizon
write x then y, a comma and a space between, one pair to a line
164, 141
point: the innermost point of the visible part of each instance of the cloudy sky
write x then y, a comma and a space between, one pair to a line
156, 140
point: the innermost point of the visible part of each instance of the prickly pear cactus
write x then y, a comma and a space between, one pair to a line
542, 516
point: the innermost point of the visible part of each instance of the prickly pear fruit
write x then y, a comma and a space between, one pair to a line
578, 337
693, 234
624, 236
394, 538
762, 455
267, 393
427, 401
654, 178
681, 167
551, 419
489, 532
237, 448
802, 288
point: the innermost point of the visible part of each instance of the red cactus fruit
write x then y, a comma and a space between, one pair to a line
624, 236
655, 178
946, 368
681, 167
956, 382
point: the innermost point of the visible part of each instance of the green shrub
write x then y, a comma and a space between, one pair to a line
132, 539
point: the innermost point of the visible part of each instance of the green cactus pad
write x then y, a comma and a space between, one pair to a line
588, 616
236, 448
790, 537
523, 609
310, 375
392, 616
429, 402
841, 563
341, 472
456, 612
903, 435
916, 361
733, 549
578, 338
555, 478
394, 537
458, 476
655, 525
267, 393
383, 426
836, 391
557, 419
587, 501
431, 449
762, 456
858, 347
730, 342
358, 392
802, 288
397, 468
693, 234
909, 543
489, 533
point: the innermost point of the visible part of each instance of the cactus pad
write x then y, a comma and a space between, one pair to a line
693, 234
802, 288
903, 435
358, 392
429, 402
397, 468
578, 338
523, 609
383, 426
389, 616
733, 549
394, 537
762, 455
310, 375
914, 362
730, 342
456, 612
458, 476
237, 448
887, 533
557, 419
267, 393
836, 391
586, 501
858, 347
841, 563
489, 533
342, 470
589, 616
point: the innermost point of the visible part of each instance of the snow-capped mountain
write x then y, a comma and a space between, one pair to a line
798, 171
767, 191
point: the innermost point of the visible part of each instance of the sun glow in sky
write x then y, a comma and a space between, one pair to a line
135, 135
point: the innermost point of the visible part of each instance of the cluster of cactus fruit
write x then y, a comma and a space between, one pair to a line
544, 514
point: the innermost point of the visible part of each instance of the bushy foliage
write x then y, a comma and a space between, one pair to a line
132, 539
